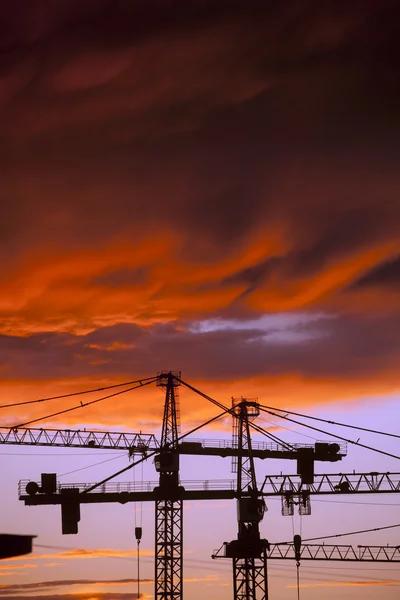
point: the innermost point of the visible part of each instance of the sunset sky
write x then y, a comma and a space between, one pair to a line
213, 187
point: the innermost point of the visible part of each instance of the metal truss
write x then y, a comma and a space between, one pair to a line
168, 576
77, 438
288, 487
170, 430
243, 464
169, 550
138, 442
250, 578
336, 552
346, 483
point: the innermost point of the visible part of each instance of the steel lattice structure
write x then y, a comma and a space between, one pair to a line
169, 549
364, 483
336, 552
168, 576
248, 551
250, 578
78, 438
139, 443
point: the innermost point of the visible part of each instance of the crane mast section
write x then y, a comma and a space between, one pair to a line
336, 552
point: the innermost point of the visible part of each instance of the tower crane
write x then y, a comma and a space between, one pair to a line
249, 552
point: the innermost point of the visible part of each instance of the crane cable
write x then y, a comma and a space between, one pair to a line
298, 579
140, 383
181, 437
138, 530
138, 569
336, 535
70, 395
335, 435
297, 555
297, 414
231, 411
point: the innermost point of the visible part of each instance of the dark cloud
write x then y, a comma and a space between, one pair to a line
192, 160
324, 347
252, 276
386, 274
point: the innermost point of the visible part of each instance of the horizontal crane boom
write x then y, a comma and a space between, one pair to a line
129, 491
143, 442
78, 438
336, 552
336, 483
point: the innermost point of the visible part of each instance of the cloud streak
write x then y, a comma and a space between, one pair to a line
83, 553
7, 590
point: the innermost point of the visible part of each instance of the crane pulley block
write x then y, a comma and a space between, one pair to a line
297, 547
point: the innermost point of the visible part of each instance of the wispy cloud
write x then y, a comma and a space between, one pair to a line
50, 585
7, 567
83, 553
84, 596
30, 588
102, 553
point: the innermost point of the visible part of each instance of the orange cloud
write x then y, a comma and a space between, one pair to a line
285, 391
102, 553
75, 292
323, 285
79, 553
25, 566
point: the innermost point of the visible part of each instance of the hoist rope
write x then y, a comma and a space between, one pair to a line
141, 502
138, 569
298, 579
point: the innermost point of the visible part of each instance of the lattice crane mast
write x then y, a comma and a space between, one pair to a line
248, 550
169, 502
